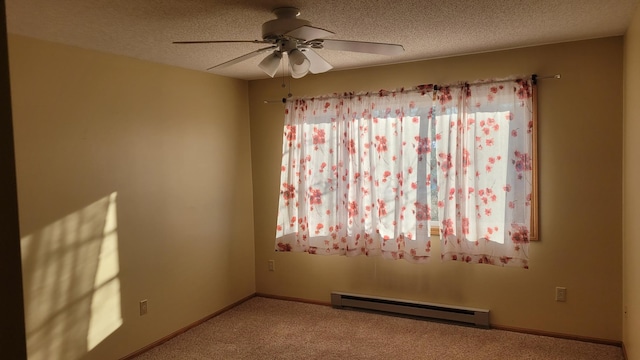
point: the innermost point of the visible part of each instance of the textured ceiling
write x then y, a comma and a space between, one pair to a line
144, 29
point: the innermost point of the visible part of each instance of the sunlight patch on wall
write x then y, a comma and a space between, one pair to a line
106, 314
71, 285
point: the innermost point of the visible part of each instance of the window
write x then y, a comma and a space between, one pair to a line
366, 174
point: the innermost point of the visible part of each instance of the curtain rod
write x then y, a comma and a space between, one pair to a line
534, 78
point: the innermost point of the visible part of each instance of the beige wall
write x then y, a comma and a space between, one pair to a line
631, 209
580, 196
134, 183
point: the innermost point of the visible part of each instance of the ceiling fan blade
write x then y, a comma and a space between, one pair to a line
363, 46
243, 57
318, 64
308, 32
223, 41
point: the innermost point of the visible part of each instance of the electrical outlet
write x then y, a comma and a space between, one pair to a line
561, 294
272, 265
143, 307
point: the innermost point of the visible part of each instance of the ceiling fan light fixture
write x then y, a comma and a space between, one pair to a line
296, 38
271, 63
298, 63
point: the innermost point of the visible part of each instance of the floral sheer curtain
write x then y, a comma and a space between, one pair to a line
354, 176
484, 159
356, 173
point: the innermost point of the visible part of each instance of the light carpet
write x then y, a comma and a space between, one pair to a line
263, 328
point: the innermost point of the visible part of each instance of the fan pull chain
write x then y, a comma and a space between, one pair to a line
284, 84
283, 71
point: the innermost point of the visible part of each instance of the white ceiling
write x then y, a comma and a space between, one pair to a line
145, 29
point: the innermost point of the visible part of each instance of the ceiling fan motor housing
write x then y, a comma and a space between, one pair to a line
287, 20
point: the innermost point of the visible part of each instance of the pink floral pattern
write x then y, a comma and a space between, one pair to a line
356, 176
486, 173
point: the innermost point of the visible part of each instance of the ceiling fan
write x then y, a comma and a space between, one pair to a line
295, 37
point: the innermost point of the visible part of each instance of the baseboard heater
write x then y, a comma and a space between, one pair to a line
468, 316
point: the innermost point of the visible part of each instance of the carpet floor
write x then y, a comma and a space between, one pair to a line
262, 328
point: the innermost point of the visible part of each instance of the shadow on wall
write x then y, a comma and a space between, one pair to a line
71, 282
